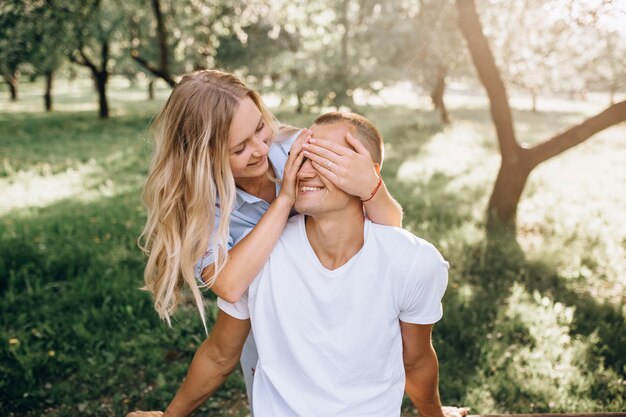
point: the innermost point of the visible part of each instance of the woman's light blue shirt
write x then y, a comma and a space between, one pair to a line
248, 209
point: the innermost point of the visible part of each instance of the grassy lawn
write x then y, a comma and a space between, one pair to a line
538, 331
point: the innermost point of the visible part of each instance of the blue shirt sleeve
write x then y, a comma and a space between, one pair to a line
209, 257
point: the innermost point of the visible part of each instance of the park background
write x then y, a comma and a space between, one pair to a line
532, 95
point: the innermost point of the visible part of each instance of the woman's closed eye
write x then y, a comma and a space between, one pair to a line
240, 150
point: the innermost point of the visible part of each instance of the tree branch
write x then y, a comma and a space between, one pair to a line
485, 64
577, 134
163, 71
155, 71
161, 36
86, 61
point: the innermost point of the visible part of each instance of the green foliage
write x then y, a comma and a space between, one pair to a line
530, 331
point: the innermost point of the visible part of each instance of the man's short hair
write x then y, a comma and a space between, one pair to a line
367, 133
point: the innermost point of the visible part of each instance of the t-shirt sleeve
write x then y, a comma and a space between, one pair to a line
425, 287
238, 310
209, 256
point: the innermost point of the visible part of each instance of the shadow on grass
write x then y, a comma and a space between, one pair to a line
483, 278
493, 271
83, 339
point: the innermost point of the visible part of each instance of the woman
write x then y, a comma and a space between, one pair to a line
216, 172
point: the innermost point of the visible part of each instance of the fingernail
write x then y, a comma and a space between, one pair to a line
311, 140
306, 153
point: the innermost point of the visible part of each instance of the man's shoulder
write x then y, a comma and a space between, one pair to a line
396, 235
400, 244
292, 228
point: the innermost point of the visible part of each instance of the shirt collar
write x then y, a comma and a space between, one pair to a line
242, 197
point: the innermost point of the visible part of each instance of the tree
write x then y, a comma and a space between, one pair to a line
608, 71
13, 43
162, 68
96, 27
435, 51
553, 46
517, 161
320, 51
45, 27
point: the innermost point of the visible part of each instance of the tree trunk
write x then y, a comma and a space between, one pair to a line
342, 98
47, 97
13, 82
436, 96
151, 89
101, 79
299, 106
534, 102
505, 196
517, 162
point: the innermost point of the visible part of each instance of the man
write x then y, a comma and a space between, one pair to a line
342, 312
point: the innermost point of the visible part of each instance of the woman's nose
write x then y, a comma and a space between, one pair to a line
261, 148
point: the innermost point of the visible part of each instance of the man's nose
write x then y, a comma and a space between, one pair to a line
306, 170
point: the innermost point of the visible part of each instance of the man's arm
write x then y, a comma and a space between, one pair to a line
214, 360
422, 368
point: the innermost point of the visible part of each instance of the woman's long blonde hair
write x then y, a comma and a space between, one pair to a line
189, 170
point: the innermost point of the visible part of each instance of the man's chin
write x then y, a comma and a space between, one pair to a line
305, 209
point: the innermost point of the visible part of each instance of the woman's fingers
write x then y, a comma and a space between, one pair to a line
324, 171
296, 164
331, 146
357, 145
322, 152
288, 186
327, 163
303, 136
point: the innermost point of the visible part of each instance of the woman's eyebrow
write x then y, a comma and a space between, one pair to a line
249, 136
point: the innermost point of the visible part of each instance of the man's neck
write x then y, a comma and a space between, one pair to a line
336, 236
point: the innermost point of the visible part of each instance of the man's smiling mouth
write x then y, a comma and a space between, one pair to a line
305, 189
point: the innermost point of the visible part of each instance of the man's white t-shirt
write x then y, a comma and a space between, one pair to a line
329, 342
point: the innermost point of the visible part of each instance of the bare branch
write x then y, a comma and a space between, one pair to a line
577, 134
86, 61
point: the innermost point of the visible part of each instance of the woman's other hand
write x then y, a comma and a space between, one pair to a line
292, 166
454, 411
145, 414
351, 170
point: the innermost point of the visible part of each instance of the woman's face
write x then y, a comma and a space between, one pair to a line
249, 141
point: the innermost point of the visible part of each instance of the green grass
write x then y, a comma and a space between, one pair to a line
534, 327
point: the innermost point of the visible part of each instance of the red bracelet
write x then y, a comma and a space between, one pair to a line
380, 181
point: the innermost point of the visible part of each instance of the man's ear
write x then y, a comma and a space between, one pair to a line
377, 168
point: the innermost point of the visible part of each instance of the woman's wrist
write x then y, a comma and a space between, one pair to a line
284, 202
374, 190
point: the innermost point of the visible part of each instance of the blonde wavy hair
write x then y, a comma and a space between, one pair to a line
189, 170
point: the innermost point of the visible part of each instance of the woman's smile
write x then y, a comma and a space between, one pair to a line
259, 162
